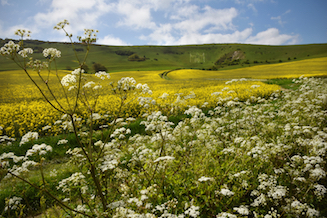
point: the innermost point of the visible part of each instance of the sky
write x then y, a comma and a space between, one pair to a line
170, 22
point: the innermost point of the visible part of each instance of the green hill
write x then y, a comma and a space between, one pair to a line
208, 56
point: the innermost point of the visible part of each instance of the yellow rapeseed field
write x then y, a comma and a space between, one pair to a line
22, 109
295, 69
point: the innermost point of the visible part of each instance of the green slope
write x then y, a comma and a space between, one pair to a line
172, 57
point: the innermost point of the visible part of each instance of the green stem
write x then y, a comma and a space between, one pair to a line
50, 195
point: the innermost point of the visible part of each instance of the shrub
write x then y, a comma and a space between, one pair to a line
135, 57
86, 68
99, 67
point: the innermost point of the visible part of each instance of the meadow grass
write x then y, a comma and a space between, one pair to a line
171, 57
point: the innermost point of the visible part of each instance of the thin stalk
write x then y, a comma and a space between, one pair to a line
50, 195
62, 111
64, 91
93, 170
54, 97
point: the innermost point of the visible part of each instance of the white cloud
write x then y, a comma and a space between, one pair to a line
272, 36
80, 13
137, 16
10, 32
196, 38
4, 2
182, 12
162, 35
251, 6
279, 18
111, 40
218, 19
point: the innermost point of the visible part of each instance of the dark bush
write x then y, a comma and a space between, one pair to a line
85, 68
99, 67
79, 49
135, 57
124, 53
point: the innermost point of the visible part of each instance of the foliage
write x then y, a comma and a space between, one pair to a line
99, 67
124, 53
257, 156
135, 57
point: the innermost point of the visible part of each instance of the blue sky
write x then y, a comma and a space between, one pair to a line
171, 22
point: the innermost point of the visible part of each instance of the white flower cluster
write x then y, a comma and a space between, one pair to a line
37, 65
226, 215
13, 203
89, 36
5, 140
235, 81
163, 159
51, 53
126, 83
72, 79
145, 88
9, 48
75, 181
120, 133
39, 149
102, 75
28, 137
204, 179
62, 142
24, 53
22, 33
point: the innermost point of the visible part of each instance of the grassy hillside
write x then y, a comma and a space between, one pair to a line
211, 56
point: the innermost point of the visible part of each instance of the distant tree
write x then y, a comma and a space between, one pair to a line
246, 62
99, 67
85, 68
135, 57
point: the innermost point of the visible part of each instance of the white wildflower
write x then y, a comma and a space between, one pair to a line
51, 53
164, 158
28, 137
102, 75
62, 142
226, 215
243, 210
203, 179
24, 53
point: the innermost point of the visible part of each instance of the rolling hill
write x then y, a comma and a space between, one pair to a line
207, 56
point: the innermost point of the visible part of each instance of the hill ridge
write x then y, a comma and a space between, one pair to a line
201, 56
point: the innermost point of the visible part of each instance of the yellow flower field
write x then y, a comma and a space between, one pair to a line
23, 108
31, 115
295, 69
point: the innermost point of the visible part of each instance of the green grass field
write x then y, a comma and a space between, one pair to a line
173, 57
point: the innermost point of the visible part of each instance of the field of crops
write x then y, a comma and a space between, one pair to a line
32, 113
310, 67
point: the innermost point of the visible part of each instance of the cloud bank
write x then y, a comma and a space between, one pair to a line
157, 22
